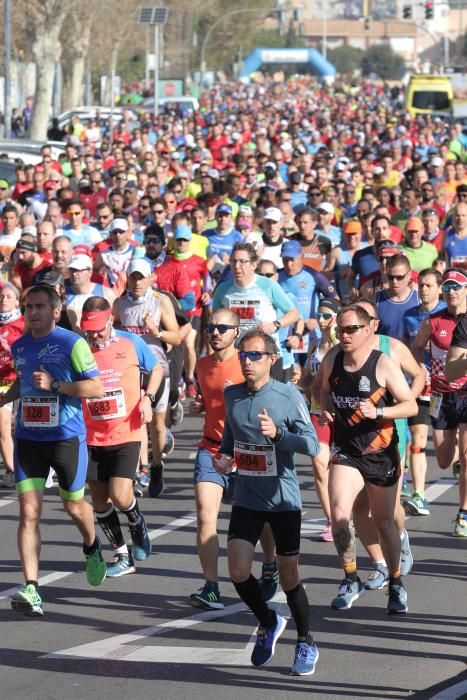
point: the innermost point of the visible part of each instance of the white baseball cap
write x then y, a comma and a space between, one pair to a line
273, 214
80, 262
325, 206
139, 265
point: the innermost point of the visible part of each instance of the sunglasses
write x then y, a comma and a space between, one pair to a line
154, 241
452, 286
219, 327
158, 211
326, 315
399, 278
266, 274
348, 330
252, 355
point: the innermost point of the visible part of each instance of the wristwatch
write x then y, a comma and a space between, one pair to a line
379, 412
55, 386
151, 397
277, 325
278, 435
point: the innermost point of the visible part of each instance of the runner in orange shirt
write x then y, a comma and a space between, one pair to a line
113, 426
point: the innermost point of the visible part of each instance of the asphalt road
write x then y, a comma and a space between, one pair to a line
138, 637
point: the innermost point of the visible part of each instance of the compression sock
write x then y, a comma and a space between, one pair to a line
250, 592
350, 570
110, 525
297, 600
132, 513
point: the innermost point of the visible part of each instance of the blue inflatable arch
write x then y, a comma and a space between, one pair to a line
260, 56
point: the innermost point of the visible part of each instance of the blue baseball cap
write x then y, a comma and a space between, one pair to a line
224, 209
291, 249
182, 231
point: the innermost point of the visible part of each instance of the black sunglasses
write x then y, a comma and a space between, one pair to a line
220, 327
252, 355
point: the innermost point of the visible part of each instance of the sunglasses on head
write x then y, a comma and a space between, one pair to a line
349, 330
452, 286
325, 314
252, 355
399, 278
219, 327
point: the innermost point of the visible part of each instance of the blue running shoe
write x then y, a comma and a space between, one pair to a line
140, 539
405, 489
143, 477
349, 591
208, 598
269, 581
397, 603
406, 554
121, 565
306, 658
266, 642
377, 578
156, 480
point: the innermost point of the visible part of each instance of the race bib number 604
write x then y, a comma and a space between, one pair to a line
255, 460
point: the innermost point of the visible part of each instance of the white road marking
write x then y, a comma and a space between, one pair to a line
192, 455
7, 501
459, 690
438, 488
183, 521
123, 647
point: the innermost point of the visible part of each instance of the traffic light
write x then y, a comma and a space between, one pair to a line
407, 12
429, 9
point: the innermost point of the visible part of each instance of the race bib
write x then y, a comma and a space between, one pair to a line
255, 460
246, 309
303, 345
40, 411
111, 405
459, 261
435, 404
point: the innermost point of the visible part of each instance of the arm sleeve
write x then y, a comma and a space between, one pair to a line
227, 442
323, 285
82, 360
299, 434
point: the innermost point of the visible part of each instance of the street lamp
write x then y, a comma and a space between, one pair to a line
7, 106
156, 16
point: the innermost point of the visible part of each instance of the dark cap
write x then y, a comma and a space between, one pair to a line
333, 305
52, 278
429, 212
26, 244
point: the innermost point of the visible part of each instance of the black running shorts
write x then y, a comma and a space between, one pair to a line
379, 468
113, 460
248, 524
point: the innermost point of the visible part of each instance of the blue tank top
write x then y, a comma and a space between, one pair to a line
456, 248
392, 313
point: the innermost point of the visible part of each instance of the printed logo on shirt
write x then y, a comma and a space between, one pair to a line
364, 384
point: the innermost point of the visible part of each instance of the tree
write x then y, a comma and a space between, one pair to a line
346, 59
383, 61
46, 18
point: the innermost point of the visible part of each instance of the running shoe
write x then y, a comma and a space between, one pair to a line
143, 477
120, 565
406, 554
27, 601
456, 469
191, 389
266, 641
156, 480
95, 566
176, 414
397, 603
306, 658
349, 591
416, 505
8, 481
137, 488
169, 444
326, 535
140, 539
377, 578
181, 390
269, 581
460, 525
405, 489
208, 598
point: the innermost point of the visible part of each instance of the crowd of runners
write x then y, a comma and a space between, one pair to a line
290, 262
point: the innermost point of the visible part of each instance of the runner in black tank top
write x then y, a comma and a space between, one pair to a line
366, 391
356, 435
